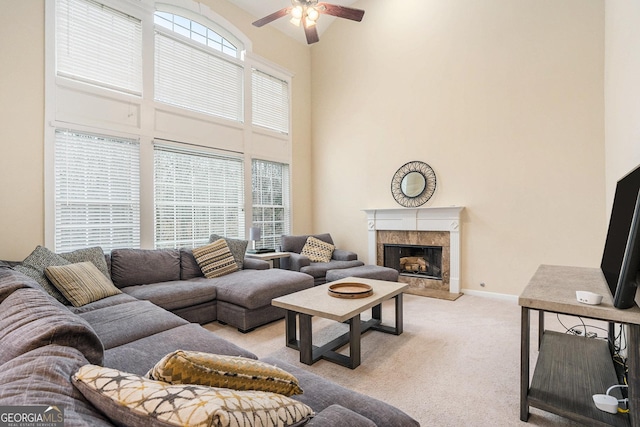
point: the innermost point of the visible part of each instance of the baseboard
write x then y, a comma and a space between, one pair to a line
494, 295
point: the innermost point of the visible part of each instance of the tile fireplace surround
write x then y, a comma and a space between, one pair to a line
421, 226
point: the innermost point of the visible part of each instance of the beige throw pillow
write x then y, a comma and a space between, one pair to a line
216, 370
215, 259
317, 250
81, 283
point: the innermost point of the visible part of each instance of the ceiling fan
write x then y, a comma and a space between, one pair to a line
307, 12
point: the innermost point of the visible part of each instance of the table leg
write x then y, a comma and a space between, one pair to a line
399, 318
355, 332
524, 363
290, 329
276, 262
633, 364
306, 339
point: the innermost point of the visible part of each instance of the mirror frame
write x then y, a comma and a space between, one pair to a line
429, 188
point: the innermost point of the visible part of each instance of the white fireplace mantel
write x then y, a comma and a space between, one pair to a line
419, 219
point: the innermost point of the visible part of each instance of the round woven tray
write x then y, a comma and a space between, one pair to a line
350, 290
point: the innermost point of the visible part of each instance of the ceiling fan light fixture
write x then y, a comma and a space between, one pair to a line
312, 14
295, 21
297, 12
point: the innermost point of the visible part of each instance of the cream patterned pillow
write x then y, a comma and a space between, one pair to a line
81, 283
215, 259
216, 370
133, 400
317, 250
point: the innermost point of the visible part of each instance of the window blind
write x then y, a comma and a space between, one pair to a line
97, 196
197, 193
97, 44
270, 104
271, 205
190, 77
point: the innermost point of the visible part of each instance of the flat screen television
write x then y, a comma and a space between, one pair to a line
621, 256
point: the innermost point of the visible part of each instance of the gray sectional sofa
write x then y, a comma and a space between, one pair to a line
44, 342
173, 280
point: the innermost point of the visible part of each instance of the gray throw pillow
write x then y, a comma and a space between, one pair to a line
236, 246
34, 265
95, 255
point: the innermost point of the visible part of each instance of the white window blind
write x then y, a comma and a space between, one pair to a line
271, 211
270, 104
97, 192
100, 45
197, 193
190, 77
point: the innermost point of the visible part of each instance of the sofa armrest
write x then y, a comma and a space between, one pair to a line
342, 255
294, 262
338, 416
255, 264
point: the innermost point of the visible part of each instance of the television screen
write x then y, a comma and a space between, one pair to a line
620, 227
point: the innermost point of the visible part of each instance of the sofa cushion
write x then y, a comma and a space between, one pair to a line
133, 400
42, 377
12, 280
216, 370
34, 265
81, 283
320, 393
141, 355
175, 294
295, 243
336, 415
95, 255
237, 247
29, 318
256, 288
123, 323
215, 259
131, 267
319, 269
317, 250
189, 268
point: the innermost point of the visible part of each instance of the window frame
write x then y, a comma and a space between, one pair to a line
140, 117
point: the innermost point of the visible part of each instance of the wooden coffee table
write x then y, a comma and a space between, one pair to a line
317, 302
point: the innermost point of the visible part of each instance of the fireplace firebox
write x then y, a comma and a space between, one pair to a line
414, 260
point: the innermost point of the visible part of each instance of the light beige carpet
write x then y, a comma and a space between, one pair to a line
456, 364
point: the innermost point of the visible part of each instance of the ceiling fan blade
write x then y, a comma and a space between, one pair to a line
341, 11
272, 17
312, 34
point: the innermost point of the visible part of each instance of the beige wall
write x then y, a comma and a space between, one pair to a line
503, 99
622, 90
22, 118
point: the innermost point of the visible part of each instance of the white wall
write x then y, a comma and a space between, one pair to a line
503, 99
622, 90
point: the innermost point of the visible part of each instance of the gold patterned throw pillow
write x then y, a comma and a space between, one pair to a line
216, 370
317, 250
133, 400
81, 283
215, 259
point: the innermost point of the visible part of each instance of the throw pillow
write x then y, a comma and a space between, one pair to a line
81, 283
94, 254
133, 400
216, 370
215, 259
237, 247
317, 250
34, 265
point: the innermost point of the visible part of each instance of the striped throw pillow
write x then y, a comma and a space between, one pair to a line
317, 250
81, 283
215, 259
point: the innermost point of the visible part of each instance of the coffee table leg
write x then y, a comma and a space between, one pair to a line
290, 329
355, 331
306, 339
399, 319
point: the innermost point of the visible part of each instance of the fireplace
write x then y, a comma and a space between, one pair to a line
429, 233
414, 260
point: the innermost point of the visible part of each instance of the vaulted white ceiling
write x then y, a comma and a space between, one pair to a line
261, 8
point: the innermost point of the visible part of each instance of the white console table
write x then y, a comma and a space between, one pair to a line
570, 369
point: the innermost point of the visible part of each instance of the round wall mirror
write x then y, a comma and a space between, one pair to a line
413, 184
